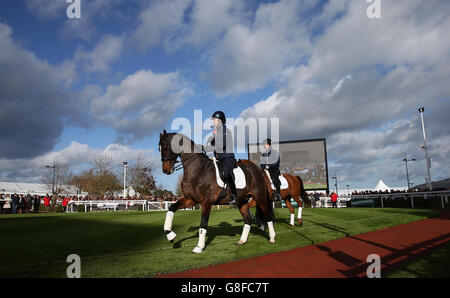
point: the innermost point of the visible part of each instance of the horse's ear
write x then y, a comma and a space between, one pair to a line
165, 132
180, 143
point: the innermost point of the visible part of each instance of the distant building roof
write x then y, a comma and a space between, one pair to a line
435, 184
33, 188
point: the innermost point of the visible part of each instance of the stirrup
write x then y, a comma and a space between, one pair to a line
233, 199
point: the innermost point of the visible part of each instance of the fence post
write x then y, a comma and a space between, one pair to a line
412, 201
382, 205
442, 200
85, 207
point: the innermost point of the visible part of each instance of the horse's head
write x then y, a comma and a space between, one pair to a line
168, 156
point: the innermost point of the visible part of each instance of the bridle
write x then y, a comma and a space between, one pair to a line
174, 158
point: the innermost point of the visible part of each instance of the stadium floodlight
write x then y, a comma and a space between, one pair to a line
424, 146
125, 165
406, 165
53, 178
336, 184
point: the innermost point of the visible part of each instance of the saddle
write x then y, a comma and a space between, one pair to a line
239, 176
284, 183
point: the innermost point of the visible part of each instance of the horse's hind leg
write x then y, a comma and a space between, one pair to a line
245, 211
180, 204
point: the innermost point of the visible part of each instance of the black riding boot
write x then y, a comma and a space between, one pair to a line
278, 194
233, 195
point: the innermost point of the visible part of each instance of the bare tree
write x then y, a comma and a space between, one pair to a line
141, 177
57, 177
105, 181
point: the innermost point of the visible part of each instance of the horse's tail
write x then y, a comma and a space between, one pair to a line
303, 194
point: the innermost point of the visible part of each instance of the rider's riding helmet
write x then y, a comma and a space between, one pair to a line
267, 141
220, 115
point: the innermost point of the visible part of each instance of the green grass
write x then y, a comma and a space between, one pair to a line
434, 265
133, 244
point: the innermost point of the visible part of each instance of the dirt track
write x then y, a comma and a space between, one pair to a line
344, 257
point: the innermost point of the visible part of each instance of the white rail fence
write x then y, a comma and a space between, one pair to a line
120, 205
442, 196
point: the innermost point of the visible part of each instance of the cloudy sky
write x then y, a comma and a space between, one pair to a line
109, 82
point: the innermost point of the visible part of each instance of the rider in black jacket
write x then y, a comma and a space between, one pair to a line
270, 161
221, 142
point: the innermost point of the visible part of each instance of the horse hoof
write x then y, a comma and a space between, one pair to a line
171, 236
272, 241
197, 250
300, 222
291, 225
240, 243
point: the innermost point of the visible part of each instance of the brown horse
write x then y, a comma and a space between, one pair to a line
199, 186
295, 190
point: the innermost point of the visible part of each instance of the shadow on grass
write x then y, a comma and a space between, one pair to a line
331, 227
34, 246
222, 229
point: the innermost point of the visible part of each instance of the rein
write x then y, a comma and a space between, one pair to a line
180, 166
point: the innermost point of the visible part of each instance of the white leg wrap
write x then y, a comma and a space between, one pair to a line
300, 212
201, 241
171, 236
245, 231
271, 231
292, 219
168, 222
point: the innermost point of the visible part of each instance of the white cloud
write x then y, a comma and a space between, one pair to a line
144, 101
100, 58
363, 81
209, 20
159, 23
32, 99
249, 56
47, 8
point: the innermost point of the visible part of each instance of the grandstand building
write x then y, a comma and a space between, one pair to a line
36, 189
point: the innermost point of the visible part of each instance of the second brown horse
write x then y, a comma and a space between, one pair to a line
295, 190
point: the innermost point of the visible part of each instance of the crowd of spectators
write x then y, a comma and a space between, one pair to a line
393, 191
20, 203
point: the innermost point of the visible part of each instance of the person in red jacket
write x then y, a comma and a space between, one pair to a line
65, 202
334, 198
46, 202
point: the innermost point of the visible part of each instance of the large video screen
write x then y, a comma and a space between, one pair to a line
307, 159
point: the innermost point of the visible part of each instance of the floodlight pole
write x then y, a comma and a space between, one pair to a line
54, 174
406, 165
421, 110
335, 178
125, 165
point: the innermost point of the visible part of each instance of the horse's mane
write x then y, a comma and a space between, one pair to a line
193, 144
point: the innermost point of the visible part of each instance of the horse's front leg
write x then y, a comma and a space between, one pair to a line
300, 209
180, 204
206, 209
287, 201
245, 211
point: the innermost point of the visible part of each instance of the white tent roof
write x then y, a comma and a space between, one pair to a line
381, 186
